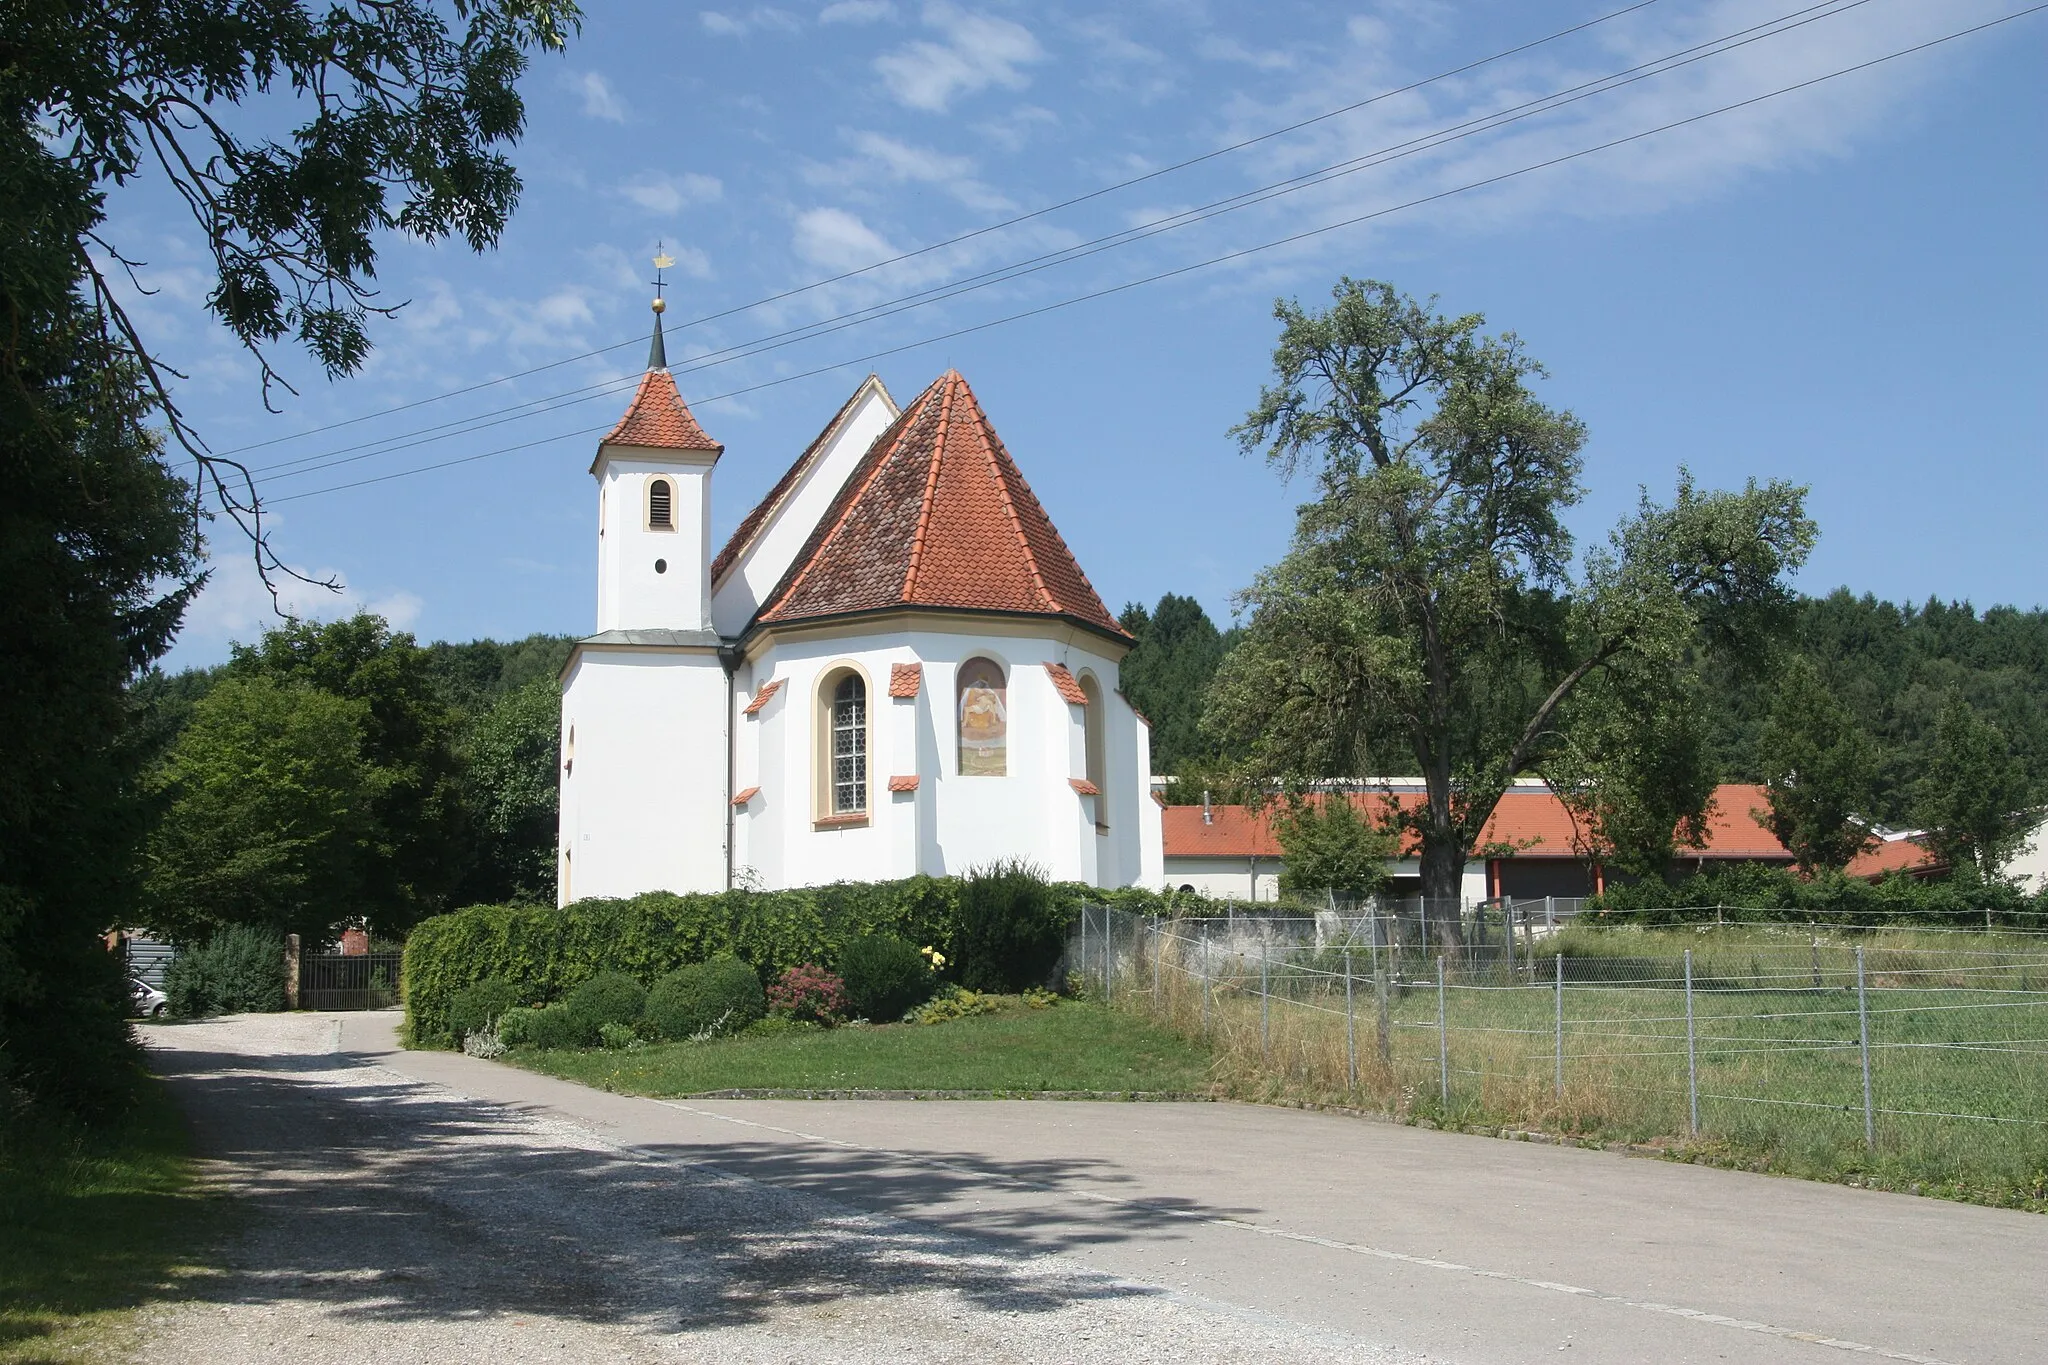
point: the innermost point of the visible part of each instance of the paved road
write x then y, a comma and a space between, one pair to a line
993, 1230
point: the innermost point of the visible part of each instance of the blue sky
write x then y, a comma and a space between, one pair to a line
1842, 286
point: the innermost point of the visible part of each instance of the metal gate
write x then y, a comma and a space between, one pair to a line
337, 981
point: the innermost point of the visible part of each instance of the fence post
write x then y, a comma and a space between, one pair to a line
1863, 1029
1083, 972
1386, 1028
1350, 1025
291, 971
1108, 955
1158, 957
1559, 961
1205, 993
1265, 1002
1443, 1038
1692, 1057
1550, 913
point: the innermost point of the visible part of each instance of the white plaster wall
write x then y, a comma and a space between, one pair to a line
1249, 879
778, 540
2029, 866
630, 594
643, 793
951, 823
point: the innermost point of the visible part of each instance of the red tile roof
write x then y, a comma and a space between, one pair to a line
763, 697
659, 418
1084, 786
1533, 822
1064, 681
740, 798
1894, 855
790, 478
904, 679
936, 514
903, 784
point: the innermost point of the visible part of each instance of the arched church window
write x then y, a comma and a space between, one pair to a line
661, 505
1097, 746
984, 715
849, 745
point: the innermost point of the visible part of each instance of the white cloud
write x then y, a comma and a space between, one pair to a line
665, 194
838, 240
599, 99
235, 606
1660, 172
1216, 48
978, 51
857, 12
757, 19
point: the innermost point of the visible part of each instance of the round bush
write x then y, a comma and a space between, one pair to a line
238, 970
607, 998
474, 1007
548, 1026
885, 977
723, 993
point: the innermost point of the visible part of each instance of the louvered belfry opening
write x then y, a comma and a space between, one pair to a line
661, 499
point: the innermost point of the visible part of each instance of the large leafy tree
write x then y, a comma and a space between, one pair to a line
269, 813
1975, 798
1167, 673
514, 757
1820, 772
419, 827
405, 108
1427, 614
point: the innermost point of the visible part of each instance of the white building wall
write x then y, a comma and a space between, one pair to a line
632, 594
777, 541
643, 792
1258, 879
951, 823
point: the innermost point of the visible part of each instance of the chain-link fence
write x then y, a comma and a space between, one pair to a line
1803, 1049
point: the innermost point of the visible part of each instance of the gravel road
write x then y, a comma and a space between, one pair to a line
392, 1218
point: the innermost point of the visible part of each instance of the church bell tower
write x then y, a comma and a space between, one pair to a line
654, 504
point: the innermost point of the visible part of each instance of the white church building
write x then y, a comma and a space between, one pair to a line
894, 666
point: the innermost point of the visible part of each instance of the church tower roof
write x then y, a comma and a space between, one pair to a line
936, 514
658, 417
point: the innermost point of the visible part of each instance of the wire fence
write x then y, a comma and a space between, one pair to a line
1800, 1048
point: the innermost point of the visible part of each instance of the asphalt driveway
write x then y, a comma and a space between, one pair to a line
430, 1203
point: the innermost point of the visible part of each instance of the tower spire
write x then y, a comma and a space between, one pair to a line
657, 353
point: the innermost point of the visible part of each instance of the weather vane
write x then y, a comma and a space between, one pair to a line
662, 261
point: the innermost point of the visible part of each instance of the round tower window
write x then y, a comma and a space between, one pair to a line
661, 566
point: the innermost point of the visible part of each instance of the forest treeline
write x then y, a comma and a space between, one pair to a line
1891, 666
422, 777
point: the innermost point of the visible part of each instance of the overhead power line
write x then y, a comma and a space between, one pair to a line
1429, 141
1237, 254
984, 230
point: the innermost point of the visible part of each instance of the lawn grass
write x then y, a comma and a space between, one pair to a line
1071, 1046
1958, 1042
93, 1222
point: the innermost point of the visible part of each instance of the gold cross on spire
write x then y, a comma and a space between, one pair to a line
662, 261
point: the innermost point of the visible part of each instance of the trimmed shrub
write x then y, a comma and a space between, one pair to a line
238, 970
1013, 928
809, 994
547, 952
885, 976
546, 1026
607, 998
475, 1007
723, 993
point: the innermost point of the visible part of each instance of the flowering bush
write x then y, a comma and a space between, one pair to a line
809, 993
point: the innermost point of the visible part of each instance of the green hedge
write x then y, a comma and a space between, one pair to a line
1754, 892
547, 952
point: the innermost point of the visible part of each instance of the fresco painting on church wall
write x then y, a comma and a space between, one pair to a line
984, 719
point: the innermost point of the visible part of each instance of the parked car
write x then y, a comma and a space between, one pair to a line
149, 1002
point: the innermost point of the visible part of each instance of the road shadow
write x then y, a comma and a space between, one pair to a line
386, 1199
